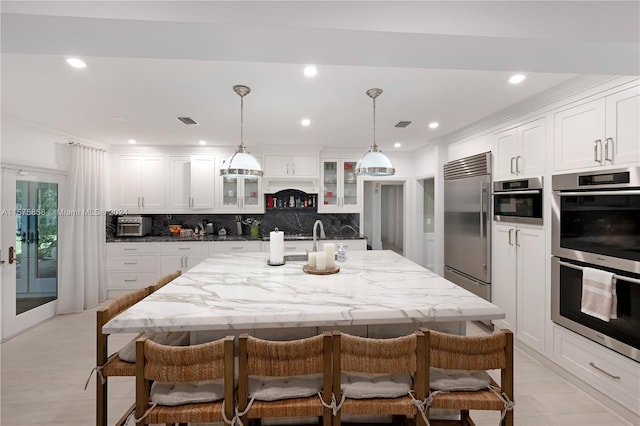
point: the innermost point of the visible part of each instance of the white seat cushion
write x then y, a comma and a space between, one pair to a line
276, 388
362, 386
177, 338
458, 380
172, 394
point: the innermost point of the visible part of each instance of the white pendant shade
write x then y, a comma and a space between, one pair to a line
375, 163
241, 164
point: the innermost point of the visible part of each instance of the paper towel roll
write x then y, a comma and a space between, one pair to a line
276, 247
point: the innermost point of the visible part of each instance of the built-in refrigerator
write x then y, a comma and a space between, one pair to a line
467, 223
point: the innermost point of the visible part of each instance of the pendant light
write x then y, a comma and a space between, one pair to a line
374, 162
241, 164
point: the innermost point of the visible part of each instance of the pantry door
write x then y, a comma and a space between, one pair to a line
29, 249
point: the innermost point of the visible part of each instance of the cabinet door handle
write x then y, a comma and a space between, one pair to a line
606, 149
294, 169
142, 201
181, 262
511, 165
596, 150
130, 263
518, 164
130, 280
138, 201
592, 364
287, 168
510, 233
186, 262
517, 242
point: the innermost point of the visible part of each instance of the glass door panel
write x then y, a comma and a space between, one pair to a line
350, 184
251, 191
229, 191
36, 243
330, 183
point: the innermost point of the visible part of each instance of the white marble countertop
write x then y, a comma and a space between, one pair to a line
240, 291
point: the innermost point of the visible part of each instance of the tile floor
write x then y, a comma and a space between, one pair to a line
43, 373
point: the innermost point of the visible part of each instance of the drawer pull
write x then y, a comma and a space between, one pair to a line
291, 248
603, 371
130, 263
130, 280
130, 249
237, 248
184, 248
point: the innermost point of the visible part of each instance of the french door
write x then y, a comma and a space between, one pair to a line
29, 249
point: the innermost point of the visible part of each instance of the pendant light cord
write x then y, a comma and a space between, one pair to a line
241, 123
374, 123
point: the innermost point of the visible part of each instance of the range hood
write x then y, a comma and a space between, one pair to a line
273, 185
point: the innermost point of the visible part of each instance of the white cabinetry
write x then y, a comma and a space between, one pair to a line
236, 246
182, 256
192, 182
608, 372
601, 132
291, 166
519, 281
130, 266
521, 151
238, 195
341, 188
140, 183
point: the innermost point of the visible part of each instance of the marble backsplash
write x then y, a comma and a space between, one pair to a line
291, 221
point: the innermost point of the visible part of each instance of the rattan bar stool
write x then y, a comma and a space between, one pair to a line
111, 365
468, 353
280, 379
161, 282
184, 384
374, 376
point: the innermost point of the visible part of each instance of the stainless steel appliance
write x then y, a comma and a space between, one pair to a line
133, 226
596, 223
467, 223
518, 201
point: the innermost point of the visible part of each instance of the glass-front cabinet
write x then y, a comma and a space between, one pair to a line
239, 194
341, 188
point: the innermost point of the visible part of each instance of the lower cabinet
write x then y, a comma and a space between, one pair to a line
612, 374
236, 246
182, 256
130, 266
519, 281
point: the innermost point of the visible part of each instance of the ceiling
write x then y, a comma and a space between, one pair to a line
150, 62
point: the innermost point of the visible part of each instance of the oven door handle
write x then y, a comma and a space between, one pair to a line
579, 193
531, 191
580, 268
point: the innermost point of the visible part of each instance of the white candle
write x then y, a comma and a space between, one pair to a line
330, 252
312, 259
276, 247
321, 261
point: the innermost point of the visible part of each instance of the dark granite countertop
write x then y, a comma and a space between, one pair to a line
206, 238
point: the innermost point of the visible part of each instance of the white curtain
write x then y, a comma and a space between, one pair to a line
82, 282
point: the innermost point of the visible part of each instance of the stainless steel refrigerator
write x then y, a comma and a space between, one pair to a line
467, 223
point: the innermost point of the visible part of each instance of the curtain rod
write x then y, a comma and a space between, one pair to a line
70, 142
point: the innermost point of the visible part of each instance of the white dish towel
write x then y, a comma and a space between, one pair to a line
599, 294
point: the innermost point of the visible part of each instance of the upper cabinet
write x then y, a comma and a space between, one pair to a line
239, 195
601, 132
520, 152
305, 166
341, 189
192, 182
140, 183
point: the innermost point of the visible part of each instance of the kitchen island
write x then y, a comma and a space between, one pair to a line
239, 291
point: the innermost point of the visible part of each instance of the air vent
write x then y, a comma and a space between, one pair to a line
402, 124
188, 120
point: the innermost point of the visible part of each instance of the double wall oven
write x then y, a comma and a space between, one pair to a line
596, 223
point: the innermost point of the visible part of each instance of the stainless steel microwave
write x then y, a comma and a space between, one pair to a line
133, 226
518, 201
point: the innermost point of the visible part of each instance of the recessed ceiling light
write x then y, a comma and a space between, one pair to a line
433, 125
397, 144
310, 71
517, 78
76, 63
305, 122
202, 142
132, 141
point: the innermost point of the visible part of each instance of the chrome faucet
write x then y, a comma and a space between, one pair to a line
322, 235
